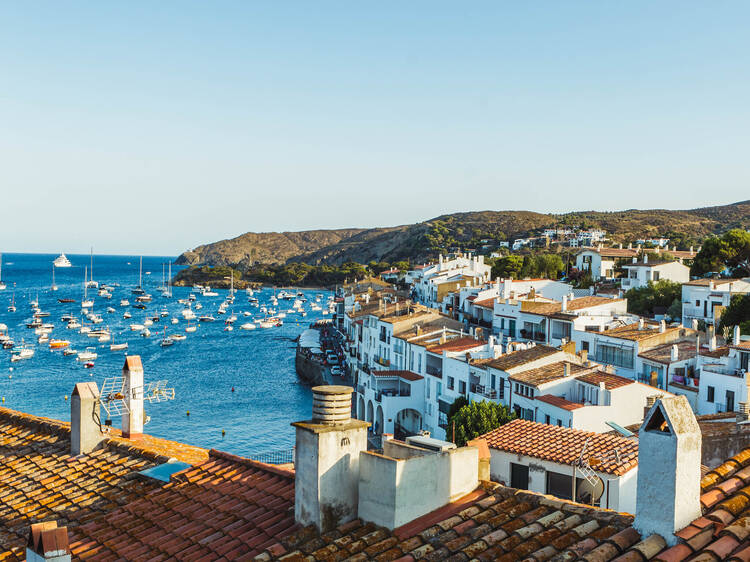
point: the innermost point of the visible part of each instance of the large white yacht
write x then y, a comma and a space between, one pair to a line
62, 261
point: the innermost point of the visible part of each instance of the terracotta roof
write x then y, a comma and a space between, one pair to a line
39, 480
486, 303
559, 402
663, 353
227, 507
521, 357
611, 381
406, 375
612, 252
742, 345
706, 282
549, 308
631, 331
547, 373
722, 351
458, 344
652, 262
564, 445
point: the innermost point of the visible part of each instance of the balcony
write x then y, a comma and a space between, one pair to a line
434, 371
382, 361
392, 392
724, 370
490, 393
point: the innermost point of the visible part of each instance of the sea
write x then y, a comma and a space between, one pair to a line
236, 391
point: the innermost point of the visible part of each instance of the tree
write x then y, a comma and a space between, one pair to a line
663, 293
731, 250
477, 418
507, 267
737, 313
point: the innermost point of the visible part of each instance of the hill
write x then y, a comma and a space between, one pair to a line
423, 240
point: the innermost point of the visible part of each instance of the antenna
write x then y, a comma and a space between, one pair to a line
113, 394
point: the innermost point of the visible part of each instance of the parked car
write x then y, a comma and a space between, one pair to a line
336, 370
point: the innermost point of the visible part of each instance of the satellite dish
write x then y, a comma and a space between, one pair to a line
590, 490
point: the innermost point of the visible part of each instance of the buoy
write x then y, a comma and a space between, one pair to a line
232, 389
223, 433
188, 412
3, 399
66, 397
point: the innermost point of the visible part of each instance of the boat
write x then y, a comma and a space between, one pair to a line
23, 352
91, 283
68, 351
88, 355
145, 333
139, 306
228, 328
118, 346
110, 310
12, 306
62, 261
137, 327
163, 313
190, 329
86, 303
124, 302
44, 338
166, 341
175, 321
198, 306
127, 315
178, 337
188, 314
143, 298
148, 322
89, 364
207, 292
206, 319
138, 290
84, 330
64, 301
58, 344
73, 325
248, 326
104, 338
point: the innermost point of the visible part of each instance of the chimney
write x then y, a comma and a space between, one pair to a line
712, 342
691, 250
85, 431
635, 259
694, 324
326, 460
566, 369
674, 353
564, 307
662, 326
584, 355
630, 246
645, 258
669, 469
48, 542
621, 245
132, 376
640, 324
743, 412
736, 335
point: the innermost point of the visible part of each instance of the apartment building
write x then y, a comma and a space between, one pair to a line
431, 282
639, 273
705, 299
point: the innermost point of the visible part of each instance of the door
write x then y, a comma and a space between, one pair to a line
519, 476
512, 328
730, 401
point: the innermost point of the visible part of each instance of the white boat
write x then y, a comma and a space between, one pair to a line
118, 346
44, 338
266, 324
88, 355
86, 303
69, 351
248, 326
73, 325
198, 306
148, 322
178, 337
175, 321
163, 313
145, 333
127, 315
166, 341
124, 302
207, 292
104, 338
190, 329
91, 283
61, 261
23, 352
110, 310
206, 319
12, 307
84, 330
188, 314
137, 327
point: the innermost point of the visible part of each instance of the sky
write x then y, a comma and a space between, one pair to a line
153, 127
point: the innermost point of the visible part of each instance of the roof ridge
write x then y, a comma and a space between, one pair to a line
37, 423
216, 454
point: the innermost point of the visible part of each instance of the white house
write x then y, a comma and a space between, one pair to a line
566, 463
600, 262
639, 273
705, 299
724, 376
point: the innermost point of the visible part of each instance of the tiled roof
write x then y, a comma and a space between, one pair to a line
723, 531
631, 331
559, 402
406, 375
547, 373
226, 507
612, 252
652, 262
486, 303
493, 523
39, 480
663, 353
521, 357
722, 351
742, 345
610, 380
548, 308
457, 344
564, 445
706, 282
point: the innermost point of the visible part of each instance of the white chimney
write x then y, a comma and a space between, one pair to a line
506, 288
674, 353
564, 306
630, 246
566, 369
645, 258
326, 460
132, 419
694, 324
712, 343
640, 324
669, 469
662, 326
85, 431
737, 335
635, 259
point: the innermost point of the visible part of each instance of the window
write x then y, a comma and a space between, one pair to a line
462, 387
697, 302
559, 485
546, 419
710, 392
450, 383
614, 355
559, 422
560, 330
730, 401
585, 345
501, 390
656, 275
744, 361
519, 476
633, 274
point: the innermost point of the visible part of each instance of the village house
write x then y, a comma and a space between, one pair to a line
601, 262
430, 283
703, 300
724, 376
639, 273
86, 491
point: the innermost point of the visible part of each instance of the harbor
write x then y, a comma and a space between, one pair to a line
227, 353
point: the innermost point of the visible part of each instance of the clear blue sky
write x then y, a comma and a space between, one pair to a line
156, 126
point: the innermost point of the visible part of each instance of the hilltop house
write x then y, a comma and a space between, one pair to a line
705, 299
639, 273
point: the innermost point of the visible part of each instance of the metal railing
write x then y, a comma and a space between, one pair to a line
484, 391
434, 371
722, 370
280, 456
392, 392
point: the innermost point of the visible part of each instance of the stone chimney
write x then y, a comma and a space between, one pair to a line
132, 376
674, 353
669, 469
48, 542
85, 428
630, 246
326, 460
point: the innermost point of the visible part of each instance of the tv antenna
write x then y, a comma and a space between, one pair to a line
113, 394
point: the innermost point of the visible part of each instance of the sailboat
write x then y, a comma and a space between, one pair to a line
2, 285
54, 287
117, 346
86, 303
139, 288
91, 283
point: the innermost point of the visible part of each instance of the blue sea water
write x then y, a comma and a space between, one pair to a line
203, 369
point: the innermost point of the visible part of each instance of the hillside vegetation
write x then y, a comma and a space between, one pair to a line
423, 241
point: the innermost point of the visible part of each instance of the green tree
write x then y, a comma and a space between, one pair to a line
731, 250
663, 293
477, 418
737, 313
507, 267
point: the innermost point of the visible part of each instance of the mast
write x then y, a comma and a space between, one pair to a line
140, 274
91, 269
169, 280
85, 285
